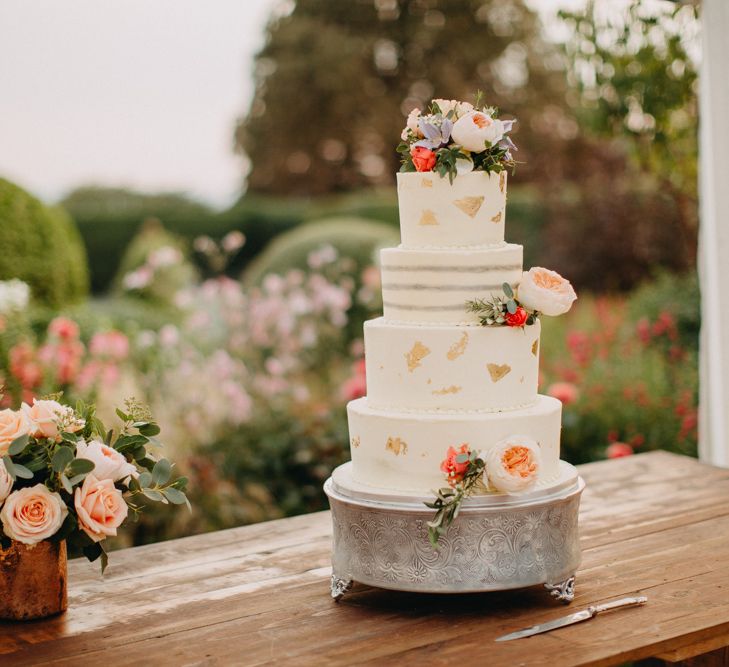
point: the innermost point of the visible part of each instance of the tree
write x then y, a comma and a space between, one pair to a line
336, 80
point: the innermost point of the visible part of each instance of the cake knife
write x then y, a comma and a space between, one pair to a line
577, 617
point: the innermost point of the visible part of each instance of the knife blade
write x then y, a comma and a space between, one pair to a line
570, 619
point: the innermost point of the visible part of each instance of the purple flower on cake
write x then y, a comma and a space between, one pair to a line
513, 464
436, 130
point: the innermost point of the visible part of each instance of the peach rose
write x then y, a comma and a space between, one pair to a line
545, 291
44, 417
13, 424
100, 507
6, 483
513, 464
108, 463
32, 514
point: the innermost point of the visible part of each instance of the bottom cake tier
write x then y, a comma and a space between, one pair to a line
402, 451
497, 542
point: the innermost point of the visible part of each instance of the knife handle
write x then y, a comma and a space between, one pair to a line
615, 604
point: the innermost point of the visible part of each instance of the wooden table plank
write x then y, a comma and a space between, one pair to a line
258, 595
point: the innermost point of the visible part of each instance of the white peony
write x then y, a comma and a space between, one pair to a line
108, 463
513, 464
474, 129
6, 483
545, 291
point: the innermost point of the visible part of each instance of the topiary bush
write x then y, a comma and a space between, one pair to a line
356, 238
42, 247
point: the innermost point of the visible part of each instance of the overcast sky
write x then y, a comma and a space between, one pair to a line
139, 93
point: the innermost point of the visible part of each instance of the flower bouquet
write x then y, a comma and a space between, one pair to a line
65, 478
455, 137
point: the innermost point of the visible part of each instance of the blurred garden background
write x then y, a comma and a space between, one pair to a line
241, 326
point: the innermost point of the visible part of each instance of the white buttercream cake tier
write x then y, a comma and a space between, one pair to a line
402, 451
450, 368
471, 211
425, 285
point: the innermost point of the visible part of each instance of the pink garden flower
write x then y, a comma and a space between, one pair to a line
566, 392
63, 328
616, 450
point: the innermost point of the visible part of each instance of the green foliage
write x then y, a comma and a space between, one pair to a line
167, 278
42, 247
109, 218
352, 237
636, 77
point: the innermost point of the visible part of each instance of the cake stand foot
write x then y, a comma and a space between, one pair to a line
339, 587
564, 591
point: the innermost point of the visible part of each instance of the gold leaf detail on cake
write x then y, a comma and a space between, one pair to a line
535, 347
458, 348
429, 381
428, 218
498, 371
416, 355
497, 217
426, 183
502, 181
396, 446
521, 379
469, 205
355, 441
453, 389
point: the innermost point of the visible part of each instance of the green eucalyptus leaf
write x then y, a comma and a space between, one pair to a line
511, 306
507, 290
21, 471
153, 494
62, 457
18, 445
77, 479
149, 430
175, 496
462, 458
79, 467
145, 479
10, 467
161, 472
69, 437
66, 483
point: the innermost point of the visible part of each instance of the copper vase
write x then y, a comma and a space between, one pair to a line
33, 580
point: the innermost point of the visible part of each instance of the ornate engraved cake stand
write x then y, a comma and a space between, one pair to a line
496, 543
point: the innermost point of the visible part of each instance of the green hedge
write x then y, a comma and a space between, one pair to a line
41, 246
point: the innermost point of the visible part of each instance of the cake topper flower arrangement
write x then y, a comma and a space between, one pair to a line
510, 466
540, 291
455, 137
63, 476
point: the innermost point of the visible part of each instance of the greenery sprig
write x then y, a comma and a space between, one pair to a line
495, 310
448, 500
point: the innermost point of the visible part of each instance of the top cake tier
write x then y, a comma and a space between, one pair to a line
435, 213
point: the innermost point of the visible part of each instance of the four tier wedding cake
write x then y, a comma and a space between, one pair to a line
452, 366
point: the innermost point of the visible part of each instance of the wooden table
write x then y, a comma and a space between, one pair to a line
656, 524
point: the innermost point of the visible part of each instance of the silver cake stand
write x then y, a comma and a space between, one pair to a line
496, 543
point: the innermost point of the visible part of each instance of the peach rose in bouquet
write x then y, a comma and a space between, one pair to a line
546, 292
6, 483
100, 507
32, 514
13, 425
513, 464
47, 418
108, 463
